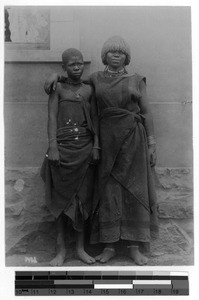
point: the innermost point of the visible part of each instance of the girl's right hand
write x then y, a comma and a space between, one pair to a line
51, 83
95, 156
54, 157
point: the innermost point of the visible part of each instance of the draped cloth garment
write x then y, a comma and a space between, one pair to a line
125, 200
69, 188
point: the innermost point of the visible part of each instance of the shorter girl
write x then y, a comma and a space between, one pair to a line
73, 148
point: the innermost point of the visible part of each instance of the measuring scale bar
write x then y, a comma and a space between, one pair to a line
100, 283
132, 284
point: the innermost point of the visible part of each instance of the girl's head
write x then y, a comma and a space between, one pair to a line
116, 44
73, 63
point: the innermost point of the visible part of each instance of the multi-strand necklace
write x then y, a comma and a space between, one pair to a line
111, 73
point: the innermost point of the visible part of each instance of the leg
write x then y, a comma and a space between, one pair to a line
80, 249
61, 249
136, 255
107, 254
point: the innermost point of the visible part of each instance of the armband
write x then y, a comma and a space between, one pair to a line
151, 140
51, 140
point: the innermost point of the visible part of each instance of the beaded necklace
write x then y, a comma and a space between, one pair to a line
111, 73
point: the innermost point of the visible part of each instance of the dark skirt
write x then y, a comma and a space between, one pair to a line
125, 198
69, 187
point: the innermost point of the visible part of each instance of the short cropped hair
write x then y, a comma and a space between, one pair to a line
69, 53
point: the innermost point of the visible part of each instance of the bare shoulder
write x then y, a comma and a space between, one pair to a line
59, 86
60, 89
54, 94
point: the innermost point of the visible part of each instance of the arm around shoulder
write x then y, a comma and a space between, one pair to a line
51, 82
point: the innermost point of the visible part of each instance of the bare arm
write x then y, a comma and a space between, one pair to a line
95, 119
95, 123
50, 84
148, 123
53, 153
145, 110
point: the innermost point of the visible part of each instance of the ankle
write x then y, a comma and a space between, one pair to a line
61, 250
112, 249
133, 247
79, 248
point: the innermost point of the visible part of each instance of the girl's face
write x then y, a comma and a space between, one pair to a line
74, 67
115, 60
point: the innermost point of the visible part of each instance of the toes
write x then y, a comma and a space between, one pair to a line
145, 261
98, 258
103, 260
88, 260
53, 264
106, 256
93, 260
57, 261
142, 261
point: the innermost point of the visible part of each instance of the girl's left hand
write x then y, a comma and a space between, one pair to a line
152, 155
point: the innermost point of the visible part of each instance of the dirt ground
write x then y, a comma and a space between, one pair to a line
30, 231
41, 250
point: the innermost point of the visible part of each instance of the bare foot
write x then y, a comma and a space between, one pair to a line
137, 256
58, 260
106, 255
85, 257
